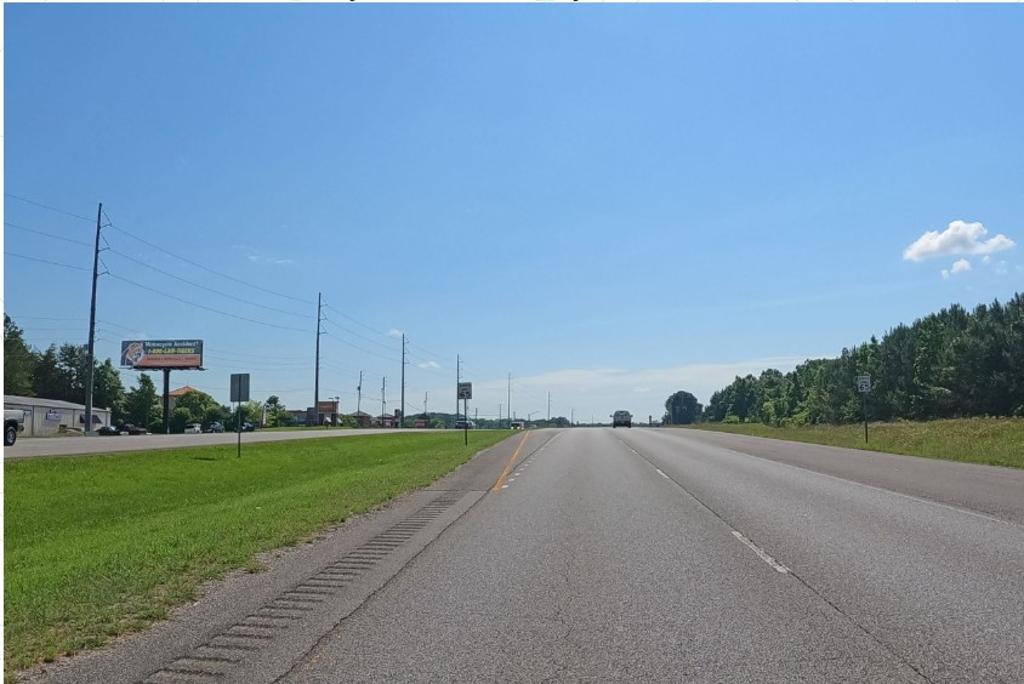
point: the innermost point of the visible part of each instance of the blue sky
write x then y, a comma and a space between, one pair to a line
610, 202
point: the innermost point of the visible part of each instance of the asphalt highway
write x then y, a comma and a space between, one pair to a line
650, 555
640, 555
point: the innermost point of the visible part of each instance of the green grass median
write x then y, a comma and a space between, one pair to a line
97, 546
991, 441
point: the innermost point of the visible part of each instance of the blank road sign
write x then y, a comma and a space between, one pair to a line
465, 390
239, 387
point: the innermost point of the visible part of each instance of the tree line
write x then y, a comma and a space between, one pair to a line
950, 364
62, 372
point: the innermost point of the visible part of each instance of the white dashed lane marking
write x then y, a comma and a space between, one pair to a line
779, 567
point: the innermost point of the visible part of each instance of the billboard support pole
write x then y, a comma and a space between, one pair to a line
167, 401
92, 324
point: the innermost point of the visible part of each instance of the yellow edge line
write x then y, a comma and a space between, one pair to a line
508, 466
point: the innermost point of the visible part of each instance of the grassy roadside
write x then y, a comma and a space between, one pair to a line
992, 441
103, 545
302, 428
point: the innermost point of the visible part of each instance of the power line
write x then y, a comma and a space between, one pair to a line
356, 346
201, 266
203, 306
362, 337
45, 318
357, 321
47, 206
49, 235
208, 289
45, 261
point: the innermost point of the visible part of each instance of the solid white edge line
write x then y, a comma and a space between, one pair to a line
865, 485
777, 566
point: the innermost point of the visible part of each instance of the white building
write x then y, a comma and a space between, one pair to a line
47, 416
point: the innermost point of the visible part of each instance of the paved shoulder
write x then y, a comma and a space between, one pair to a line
991, 490
251, 627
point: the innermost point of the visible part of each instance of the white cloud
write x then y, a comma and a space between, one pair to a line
260, 259
429, 364
960, 237
945, 273
395, 332
960, 266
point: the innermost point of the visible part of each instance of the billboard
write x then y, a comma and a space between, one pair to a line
162, 354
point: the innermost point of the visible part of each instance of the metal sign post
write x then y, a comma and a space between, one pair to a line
864, 387
465, 394
239, 393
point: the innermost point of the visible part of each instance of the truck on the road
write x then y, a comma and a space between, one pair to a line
14, 422
622, 419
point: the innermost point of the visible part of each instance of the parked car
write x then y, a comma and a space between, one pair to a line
193, 429
464, 425
215, 426
129, 429
14, 422
108, 431
248, 427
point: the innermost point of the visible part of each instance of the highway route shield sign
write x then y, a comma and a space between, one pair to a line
863, 384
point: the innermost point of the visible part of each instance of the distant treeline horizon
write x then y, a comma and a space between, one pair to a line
951, 364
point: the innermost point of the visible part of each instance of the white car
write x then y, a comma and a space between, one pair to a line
193, 429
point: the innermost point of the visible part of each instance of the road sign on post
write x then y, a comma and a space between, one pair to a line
465, 394
239, 393
864, 387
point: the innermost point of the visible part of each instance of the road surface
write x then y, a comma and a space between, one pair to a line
630, 555
77, 446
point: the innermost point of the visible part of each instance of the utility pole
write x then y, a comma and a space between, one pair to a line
508, 406
359, 395
316, 380
499, 415
458, 378
572, 417
92, 322
401, 421
549, 407
425, 396
476, 414
383, 404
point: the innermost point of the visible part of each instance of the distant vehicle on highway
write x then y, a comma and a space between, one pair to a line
108, 431
248, 427
464, 425
517, 425
622, 419
215, 426
14, 422
193, 429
